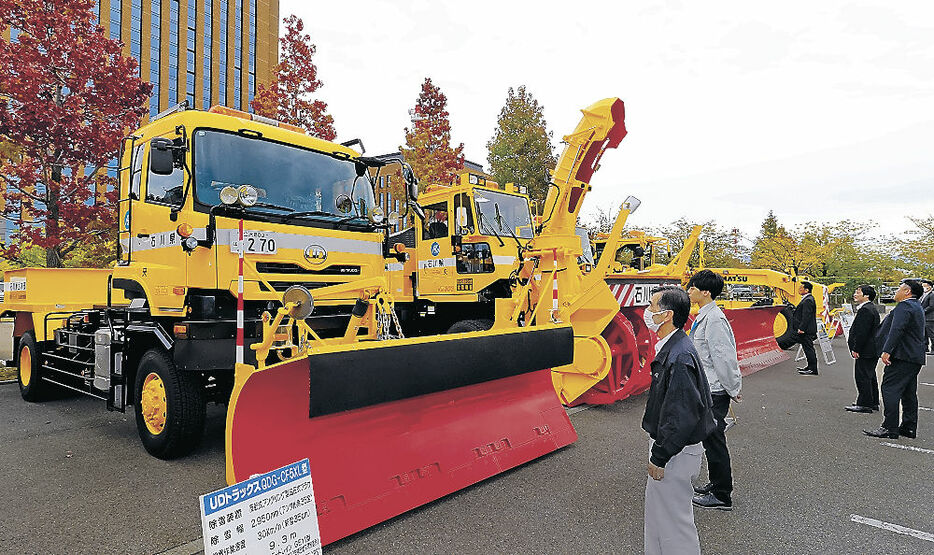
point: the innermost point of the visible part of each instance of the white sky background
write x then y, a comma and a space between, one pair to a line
816, 110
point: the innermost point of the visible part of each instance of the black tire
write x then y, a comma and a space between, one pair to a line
184, 405
465, 326
34, 390
787, 339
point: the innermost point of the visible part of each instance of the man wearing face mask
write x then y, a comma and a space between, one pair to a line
678, 417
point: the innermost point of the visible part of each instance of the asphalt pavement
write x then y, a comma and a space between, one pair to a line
75, 479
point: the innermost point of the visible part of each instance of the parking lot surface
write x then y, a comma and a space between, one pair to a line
76, 480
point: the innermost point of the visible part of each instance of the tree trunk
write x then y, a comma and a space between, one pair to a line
53, 255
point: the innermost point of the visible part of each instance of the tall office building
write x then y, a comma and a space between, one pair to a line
204, 51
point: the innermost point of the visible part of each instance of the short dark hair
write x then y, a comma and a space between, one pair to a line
807, 285
869, 291
706, 280
676, 300
915, 286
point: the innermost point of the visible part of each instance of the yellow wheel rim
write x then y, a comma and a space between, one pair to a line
780, 326
153, 404
25, 366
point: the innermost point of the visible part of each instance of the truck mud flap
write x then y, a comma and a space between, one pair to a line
754, 331
389, 426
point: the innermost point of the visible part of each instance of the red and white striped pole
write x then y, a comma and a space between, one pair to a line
240, 298
554, 290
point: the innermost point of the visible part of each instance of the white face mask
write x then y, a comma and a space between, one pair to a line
648, 318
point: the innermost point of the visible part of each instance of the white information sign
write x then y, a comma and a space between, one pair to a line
272, 513
824, 341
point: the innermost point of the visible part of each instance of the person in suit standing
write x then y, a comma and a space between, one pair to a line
804, 321
927, 303
862, 344
678, 417
901, 337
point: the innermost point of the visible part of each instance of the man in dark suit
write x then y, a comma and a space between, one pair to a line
901, 337
804, 321
862, 343
927, 303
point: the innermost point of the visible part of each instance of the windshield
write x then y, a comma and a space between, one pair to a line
295, 178
502, 213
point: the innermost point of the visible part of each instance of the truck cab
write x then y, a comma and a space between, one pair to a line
463, 252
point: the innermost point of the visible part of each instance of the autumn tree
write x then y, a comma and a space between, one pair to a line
723, 247
915, 251
67, 95
520, 150
428, 144
288, 98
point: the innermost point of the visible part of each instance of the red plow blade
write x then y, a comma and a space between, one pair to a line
372, 463
753, 329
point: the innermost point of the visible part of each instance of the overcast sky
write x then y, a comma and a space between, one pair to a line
816, 110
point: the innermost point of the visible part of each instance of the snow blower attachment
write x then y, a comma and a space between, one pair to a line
392, 424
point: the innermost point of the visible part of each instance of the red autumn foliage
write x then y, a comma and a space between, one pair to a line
429, 150
288, 96
67, 96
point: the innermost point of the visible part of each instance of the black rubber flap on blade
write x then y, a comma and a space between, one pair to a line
355, 379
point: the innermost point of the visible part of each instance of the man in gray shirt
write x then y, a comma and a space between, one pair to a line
716, 346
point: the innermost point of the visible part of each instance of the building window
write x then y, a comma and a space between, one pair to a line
208, 58
252, 76
190, 45
222, 66
173, 52
155, 50
136, 29
238, 51
116, 19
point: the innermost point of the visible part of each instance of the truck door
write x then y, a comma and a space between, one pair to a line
434, 252
158, 261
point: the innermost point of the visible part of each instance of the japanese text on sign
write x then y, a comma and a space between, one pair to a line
269, 513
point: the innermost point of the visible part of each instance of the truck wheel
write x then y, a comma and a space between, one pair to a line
169, 407
470, 325
31, 386
784, 335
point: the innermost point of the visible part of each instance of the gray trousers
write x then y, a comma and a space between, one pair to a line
669, 514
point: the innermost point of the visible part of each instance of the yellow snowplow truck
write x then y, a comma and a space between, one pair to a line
158, 330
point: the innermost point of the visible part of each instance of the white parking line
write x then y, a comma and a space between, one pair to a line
908, 447
893, 528
924, 408
578, 408
925, 383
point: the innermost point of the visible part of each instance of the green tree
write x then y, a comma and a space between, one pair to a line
723, 248
520, 150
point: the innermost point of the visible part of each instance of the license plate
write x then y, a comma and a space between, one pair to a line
256, 242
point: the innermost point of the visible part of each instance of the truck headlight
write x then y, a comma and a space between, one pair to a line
229, 195
248, 195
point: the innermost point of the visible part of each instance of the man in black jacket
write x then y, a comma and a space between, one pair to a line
678, 417
804, 321
901, 337
862, 343
927, 303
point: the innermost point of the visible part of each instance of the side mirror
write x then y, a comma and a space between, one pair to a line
161, 157
343, 203
411, 182
393, 218
461, 217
